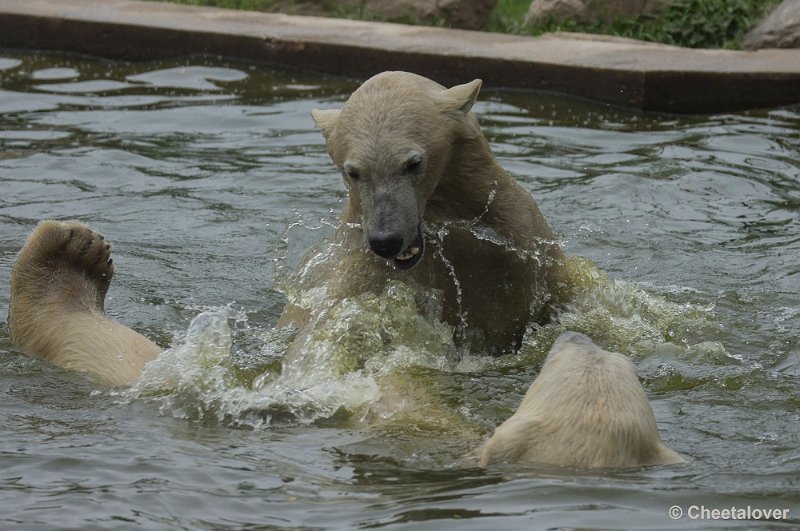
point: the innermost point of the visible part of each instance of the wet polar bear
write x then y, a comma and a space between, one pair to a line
428, 203
586, 408
58, 288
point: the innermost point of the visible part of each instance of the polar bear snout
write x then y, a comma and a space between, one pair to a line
403, 253
386, 244
393, 225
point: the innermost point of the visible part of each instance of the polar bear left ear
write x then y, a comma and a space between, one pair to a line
459, 98
326, 120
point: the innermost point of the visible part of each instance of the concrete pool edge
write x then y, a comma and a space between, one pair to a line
626, 73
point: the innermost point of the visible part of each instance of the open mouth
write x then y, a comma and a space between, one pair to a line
412, 254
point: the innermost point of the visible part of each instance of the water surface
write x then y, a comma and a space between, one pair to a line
211, 181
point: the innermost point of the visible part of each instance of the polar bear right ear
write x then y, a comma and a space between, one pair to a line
326, 120
461, 97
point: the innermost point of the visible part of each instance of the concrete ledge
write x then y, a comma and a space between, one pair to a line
615, 71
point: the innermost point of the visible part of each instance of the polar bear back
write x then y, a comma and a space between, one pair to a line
585, 409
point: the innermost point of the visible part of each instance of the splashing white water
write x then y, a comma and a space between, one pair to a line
361, 347
337, 366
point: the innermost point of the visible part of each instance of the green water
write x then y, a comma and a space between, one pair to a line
212, 181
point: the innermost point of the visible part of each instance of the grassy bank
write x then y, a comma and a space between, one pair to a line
690, 23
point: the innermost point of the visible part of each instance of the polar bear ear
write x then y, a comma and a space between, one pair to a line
459, 98
326, 120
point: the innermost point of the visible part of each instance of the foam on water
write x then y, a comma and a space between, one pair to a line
369, 357
198, 379
333, 370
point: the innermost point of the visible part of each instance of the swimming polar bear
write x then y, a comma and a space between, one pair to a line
429, 204
586, 409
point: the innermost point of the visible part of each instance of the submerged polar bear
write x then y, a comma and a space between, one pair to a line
586, 408
428, 204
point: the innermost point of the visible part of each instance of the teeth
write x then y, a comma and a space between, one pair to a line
411, 253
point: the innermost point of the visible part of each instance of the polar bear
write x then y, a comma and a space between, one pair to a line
58, 286
429, 204
586, 409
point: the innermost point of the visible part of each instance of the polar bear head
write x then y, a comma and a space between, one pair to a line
393, 141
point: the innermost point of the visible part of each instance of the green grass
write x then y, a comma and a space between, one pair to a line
689, 23
508, 16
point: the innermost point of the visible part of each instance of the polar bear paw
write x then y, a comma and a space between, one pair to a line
57, 255
86, 251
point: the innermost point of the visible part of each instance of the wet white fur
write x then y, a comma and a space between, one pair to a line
585, 409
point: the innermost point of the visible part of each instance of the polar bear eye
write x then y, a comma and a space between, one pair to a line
413, 164
351, 172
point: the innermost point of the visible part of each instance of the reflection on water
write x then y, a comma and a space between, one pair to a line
211, 179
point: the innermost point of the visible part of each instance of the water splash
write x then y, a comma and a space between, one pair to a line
440, 235
378, 356
335, 370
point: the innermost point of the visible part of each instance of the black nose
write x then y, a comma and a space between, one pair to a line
386, 245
